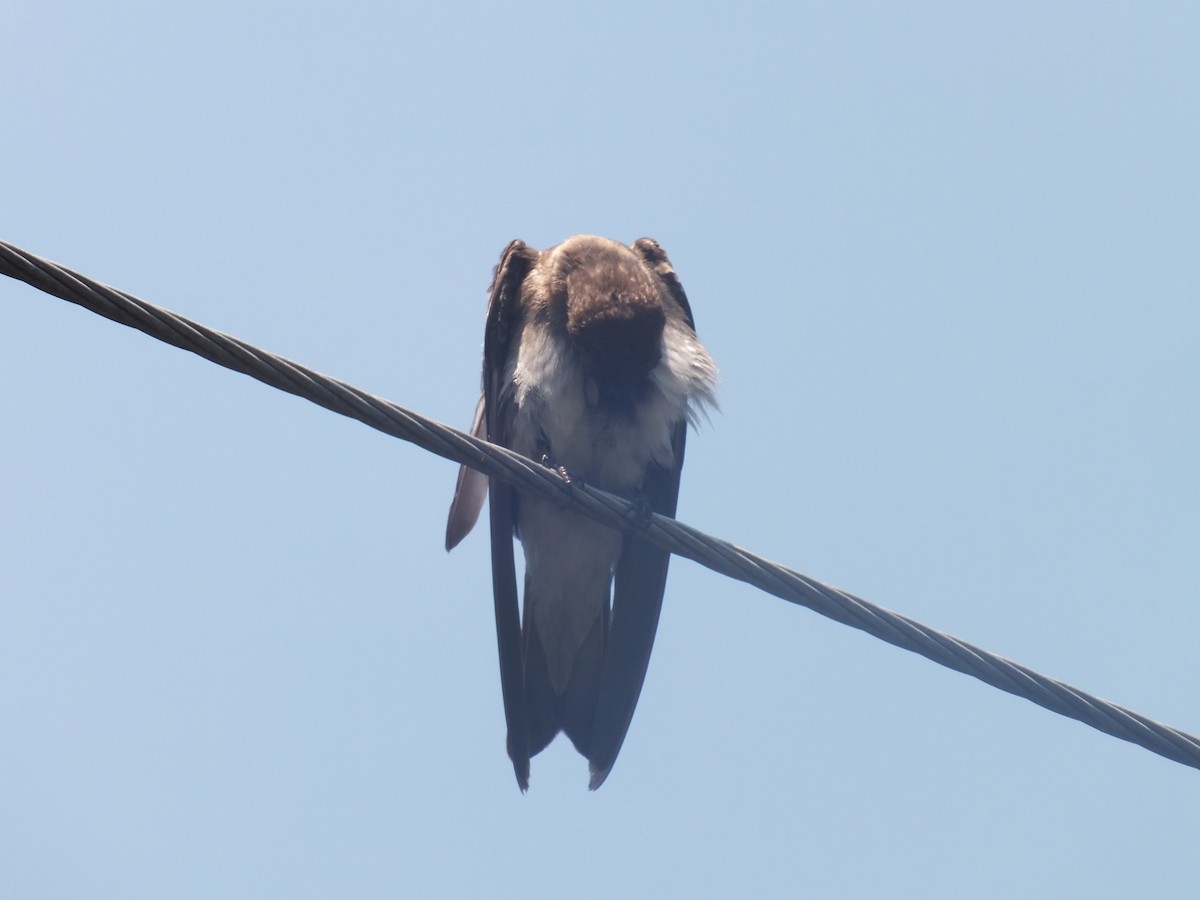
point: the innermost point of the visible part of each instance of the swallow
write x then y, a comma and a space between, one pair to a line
591, 365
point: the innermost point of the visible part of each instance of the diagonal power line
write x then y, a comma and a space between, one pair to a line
669, 534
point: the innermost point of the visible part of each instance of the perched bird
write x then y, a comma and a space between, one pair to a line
591, 365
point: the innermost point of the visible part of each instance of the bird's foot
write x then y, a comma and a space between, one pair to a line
561, 470
568, 483
642, 512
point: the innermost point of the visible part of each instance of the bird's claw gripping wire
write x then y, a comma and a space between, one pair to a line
642, 512
568, 482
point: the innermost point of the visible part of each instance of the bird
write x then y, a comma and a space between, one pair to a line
591, 366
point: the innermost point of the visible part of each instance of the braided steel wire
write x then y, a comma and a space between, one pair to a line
669, 534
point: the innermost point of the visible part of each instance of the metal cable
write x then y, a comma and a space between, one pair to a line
669, 534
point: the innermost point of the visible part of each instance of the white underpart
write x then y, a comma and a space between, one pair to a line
569, 559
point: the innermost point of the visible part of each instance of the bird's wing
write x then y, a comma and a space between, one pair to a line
469, 491
641, 576
503, 320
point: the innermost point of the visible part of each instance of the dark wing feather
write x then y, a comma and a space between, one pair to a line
503, 319
641, 578
656, 261
638, 588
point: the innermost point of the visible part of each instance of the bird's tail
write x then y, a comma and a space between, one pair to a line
574, 710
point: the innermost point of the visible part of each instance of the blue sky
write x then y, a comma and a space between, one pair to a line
945, 255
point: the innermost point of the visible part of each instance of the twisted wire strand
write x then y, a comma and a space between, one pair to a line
668, 534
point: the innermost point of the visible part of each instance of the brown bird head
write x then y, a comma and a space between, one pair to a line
615, 313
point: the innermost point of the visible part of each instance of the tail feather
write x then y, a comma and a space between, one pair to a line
539, 693
577, 705
574, 710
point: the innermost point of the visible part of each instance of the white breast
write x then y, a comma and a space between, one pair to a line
554, 398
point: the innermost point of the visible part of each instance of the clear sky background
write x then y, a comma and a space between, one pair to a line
946, 257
